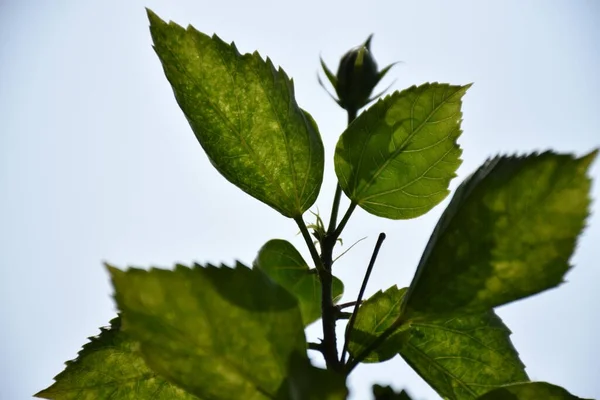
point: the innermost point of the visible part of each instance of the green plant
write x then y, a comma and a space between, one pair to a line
508, 233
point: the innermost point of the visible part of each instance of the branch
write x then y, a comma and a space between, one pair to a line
361, 293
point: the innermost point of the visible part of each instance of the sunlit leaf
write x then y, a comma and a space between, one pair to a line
280, 260
244, 114
375, 316
530, 391
397, 158
508, 233
219, 333
462, 357
110, 366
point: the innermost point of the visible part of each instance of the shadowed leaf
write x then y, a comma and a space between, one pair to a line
310, 383
387, 393
280, 260
219, 333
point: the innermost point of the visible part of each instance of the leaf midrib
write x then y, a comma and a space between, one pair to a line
406, 142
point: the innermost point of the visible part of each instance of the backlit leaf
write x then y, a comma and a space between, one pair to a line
530, 391
280, 260
110, 366
219, 333
244, 114
462, 357
397, 158
375, 316
508, 233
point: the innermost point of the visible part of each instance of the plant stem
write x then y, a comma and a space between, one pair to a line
361, 293
345, 305
344, 221
334, 209
315, 346
351, 115
329, 313
338, 190
328, 310
311, 247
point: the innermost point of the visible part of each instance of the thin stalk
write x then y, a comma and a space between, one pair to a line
344, 221
338, 190
328, 310
311, 246
361, 293
375, 344
345, 305
335, 209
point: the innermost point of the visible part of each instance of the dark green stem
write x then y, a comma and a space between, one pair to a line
311, 246
361, 293
351, 115
344, 221
338, 190
328, 310
345, 305
375, 344
335, 209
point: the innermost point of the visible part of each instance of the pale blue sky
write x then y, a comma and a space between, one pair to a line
99, 164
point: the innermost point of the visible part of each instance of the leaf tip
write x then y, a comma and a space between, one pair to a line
41, 394
589, 158
154, 18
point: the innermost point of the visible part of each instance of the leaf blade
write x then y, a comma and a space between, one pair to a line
375, 316
529, 391
397, 158
461, 356
464, 356
280, 260
244, 114
110, 366
234, 327
508, 233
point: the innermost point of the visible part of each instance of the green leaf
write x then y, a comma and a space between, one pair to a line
110, 366
244, 114
508, 233
280, 260
375, 316
310, 383
462, 357
330, 76
387, 393
219, 333
529, 391
397, 158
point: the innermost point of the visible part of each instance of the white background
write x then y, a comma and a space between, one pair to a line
99, 164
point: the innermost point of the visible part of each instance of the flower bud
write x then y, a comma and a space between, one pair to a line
356, 77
